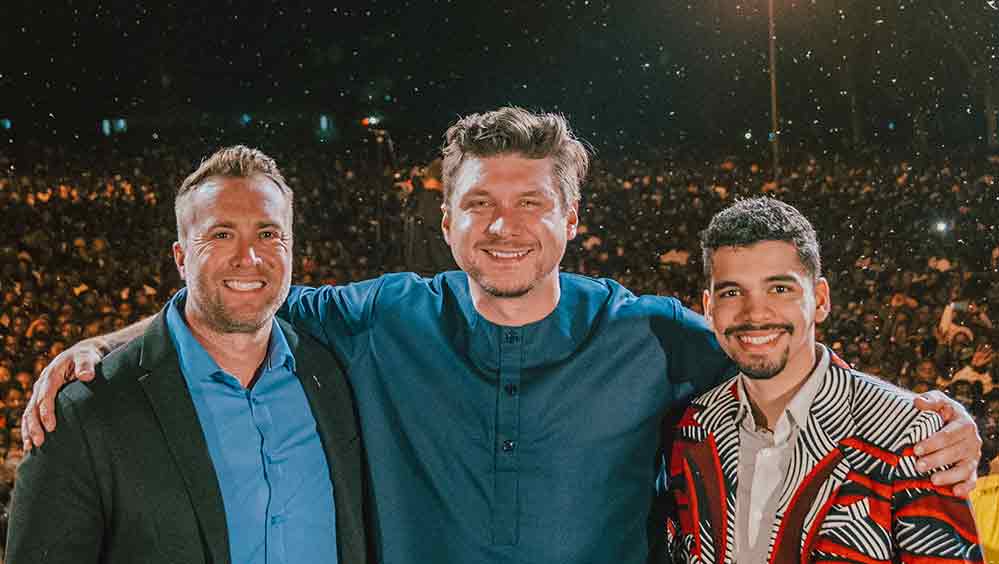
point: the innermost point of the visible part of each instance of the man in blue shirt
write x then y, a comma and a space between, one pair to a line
512, 413
206, 440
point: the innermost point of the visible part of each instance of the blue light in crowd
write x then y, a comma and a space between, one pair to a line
106, 127
324, 123
6, 123
120, 124
891, 126
245, 119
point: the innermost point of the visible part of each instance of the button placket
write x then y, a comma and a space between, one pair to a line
506, 503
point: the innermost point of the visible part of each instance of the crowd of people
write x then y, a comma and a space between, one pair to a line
911, 250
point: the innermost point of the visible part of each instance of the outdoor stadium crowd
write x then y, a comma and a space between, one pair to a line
910, 248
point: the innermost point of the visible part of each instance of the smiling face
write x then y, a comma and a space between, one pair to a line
763, 307
235, 253
507, 225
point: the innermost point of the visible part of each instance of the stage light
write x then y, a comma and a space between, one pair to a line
748, 135
941, 226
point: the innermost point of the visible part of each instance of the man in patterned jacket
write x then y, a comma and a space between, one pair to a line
798, 458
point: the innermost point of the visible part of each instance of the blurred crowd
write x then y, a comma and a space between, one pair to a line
909, 247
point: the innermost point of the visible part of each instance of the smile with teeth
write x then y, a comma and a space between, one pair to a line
244, 285
507, 254
758, 339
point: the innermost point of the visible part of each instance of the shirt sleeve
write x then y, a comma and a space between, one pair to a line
337, 316
696, 362
929, 522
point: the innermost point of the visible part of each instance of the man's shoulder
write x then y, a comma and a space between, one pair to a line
884, 415
117, 373
620, 300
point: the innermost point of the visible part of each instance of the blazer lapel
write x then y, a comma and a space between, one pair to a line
817, 468
337, 427
719, 420
166, 389
332, 406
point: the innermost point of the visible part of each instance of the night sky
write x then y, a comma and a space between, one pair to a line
626, 73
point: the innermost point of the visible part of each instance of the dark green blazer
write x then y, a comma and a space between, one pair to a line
126, 477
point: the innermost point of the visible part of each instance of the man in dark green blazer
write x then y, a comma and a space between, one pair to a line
221, 435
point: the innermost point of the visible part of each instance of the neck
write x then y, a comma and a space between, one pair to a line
239, 354
533, 306
772, 396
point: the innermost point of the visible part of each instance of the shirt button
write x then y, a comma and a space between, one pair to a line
512, 338
511, 389
509, 445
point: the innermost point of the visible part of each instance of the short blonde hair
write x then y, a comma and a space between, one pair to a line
237, 161
515, 131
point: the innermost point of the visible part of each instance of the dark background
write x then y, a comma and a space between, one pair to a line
629, 75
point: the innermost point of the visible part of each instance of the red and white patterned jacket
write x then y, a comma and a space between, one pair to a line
851, 494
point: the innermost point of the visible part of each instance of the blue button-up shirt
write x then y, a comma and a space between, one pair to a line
492, 444
269, 460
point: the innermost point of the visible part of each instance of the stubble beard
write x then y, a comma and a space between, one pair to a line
492, 289
764, 369
220, 319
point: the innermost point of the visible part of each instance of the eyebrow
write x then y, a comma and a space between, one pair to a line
725, 284
535, 193
231, 225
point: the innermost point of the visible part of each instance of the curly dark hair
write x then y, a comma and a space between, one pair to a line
754, 220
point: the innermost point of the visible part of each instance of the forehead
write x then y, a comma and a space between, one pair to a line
234, 200
757, 262
505, 174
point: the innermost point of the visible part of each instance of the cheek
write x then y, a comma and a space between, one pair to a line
553, 223
463, 222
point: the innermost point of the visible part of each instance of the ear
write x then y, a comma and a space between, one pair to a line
179, 259
706, 306
445, 222
571, 222
823, 301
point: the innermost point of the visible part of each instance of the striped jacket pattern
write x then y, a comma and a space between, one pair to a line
851, 493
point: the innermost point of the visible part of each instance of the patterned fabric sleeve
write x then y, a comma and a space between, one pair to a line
929, 523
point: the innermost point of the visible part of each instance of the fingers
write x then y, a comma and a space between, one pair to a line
31, 426
46, 390
936, 401
962, 477
82, 366
958, 441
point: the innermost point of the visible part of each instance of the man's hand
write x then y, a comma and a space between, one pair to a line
76, 362
956, 446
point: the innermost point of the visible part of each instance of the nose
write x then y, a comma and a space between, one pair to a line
756, 308
503, 222
246, 257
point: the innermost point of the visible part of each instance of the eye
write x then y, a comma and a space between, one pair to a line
529, 203
782, 289
268, 234
221, 235
728, 293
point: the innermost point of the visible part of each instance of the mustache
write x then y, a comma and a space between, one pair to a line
745, 327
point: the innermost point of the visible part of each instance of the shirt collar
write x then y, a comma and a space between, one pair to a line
795, 415
197, 364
